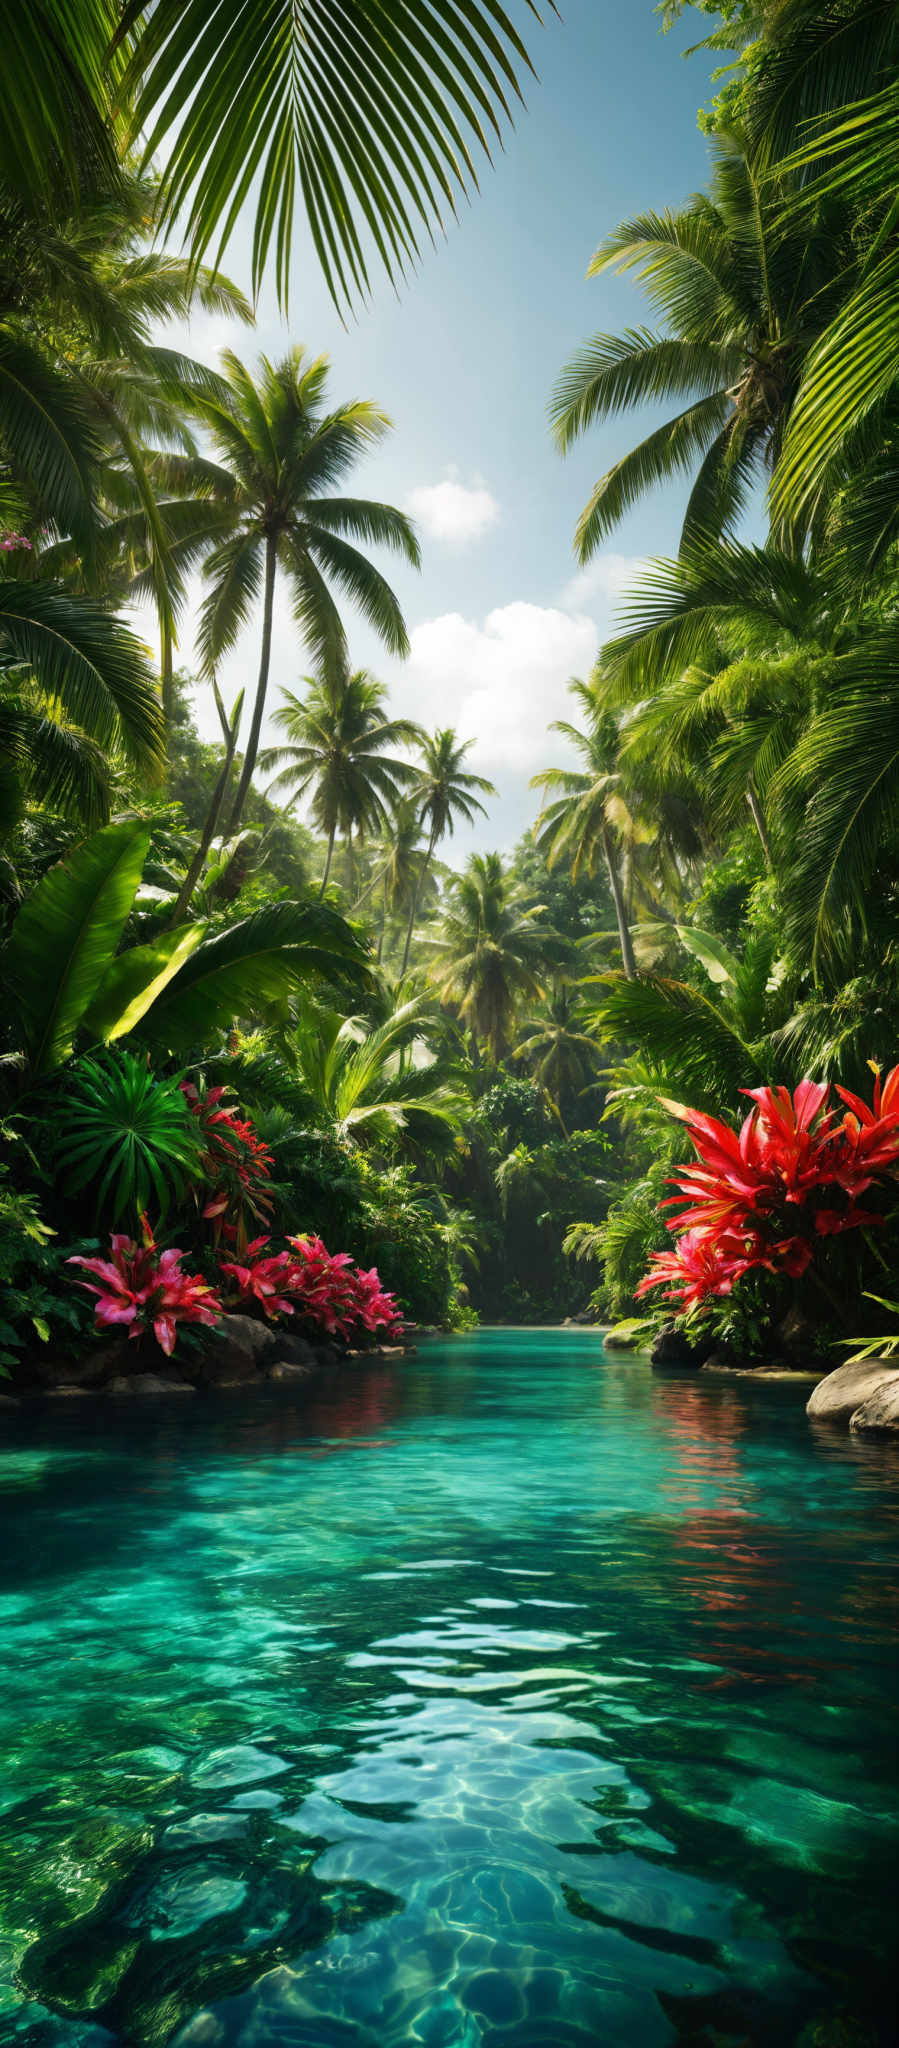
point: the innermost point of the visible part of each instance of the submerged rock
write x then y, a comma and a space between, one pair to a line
836, 1398
286, 1372
881, 1411
148, 1383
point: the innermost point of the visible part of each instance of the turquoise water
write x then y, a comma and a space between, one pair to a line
510, 1697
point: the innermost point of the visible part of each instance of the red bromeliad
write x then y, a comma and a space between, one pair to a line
143, 1289
795, 1172
236, 1162
324, 1288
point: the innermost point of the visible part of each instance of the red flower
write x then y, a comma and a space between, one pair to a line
737, 1207
261, 1280
146, 1289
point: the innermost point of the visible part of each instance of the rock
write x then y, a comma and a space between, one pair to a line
326, 1354
9, 1401
852, 1386
238, 1348
673, 1348
293, 1349
148, 1383
66, 1392
285, 1372
881, 1411
612, 1342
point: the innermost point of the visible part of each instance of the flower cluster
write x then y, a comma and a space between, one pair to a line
145, 1289
794, 1173
236, 1162
15, 540
325, 1288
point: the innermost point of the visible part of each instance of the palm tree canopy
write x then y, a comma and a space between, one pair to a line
446, 790
742, 292
282, 456
335, 742
491, 951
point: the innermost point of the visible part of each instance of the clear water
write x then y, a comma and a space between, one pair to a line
510, 1697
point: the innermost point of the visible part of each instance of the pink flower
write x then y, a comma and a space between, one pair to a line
146, 1289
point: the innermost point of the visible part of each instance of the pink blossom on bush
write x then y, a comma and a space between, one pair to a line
145, 1289
261, 1280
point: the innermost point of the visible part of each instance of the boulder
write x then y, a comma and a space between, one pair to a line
238, 1348
881, 1410
672, 1348
293, 1349
148, 1383
837, 1397
67, 1391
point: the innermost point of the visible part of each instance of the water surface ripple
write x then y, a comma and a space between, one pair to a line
509, 1697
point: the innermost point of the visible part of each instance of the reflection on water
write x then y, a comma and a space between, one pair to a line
508, 1698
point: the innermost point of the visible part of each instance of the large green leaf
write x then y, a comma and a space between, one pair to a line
370, 113
82, 655
137, 978
250, 969
66, 935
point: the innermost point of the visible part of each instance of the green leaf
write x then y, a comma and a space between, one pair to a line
251, 968
719, 964
134, 981
66, 935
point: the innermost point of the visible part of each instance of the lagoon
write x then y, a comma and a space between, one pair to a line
508, 1696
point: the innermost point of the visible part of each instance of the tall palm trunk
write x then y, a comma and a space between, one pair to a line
265, 655
331, 838
414, 905
624, 937
757, 815
385, 907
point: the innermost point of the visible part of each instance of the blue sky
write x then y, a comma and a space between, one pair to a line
464, 360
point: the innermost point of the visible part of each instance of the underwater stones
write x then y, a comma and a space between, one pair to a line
881, 1411
179, 1905
286, 1373
241, 1764
148, 1383
205, 1827
851, 1388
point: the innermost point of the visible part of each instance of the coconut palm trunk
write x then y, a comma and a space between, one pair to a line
324, 882
624, 937
413, 909
265, 656
757, 816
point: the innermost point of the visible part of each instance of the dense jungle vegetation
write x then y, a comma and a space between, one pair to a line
247, 1029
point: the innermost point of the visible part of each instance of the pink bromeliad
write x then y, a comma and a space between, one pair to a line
144, 1289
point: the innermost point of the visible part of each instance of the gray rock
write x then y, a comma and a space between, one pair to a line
881, 1411
673, 1348
9, 1401
837, 1397
148, 1383
68, 1392
292, 1349
238, 1348
286, 1373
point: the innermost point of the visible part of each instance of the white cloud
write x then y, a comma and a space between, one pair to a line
499, 683
602, 584
452, 511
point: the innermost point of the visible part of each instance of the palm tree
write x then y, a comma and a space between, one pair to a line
372, 1084
335, 741
445, 792
491, 952
588, 816
281, 455
399, 870
743, 295
562, 1054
